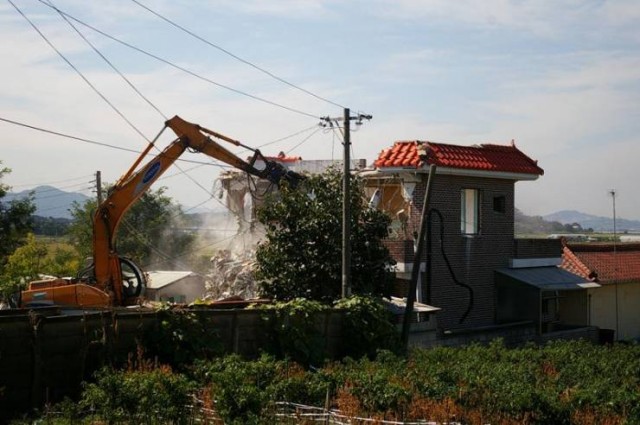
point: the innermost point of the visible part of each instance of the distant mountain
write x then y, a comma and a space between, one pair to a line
50, 201
598, 224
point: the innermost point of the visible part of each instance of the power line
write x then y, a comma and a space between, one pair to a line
53, 189
52, 182
95, 89
304, 140
227, 52
95, 49
178, 67
288, 137
93, 142
197, 183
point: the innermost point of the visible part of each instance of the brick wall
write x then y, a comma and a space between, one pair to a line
537, 248
472, 258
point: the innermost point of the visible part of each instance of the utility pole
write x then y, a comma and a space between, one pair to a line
346, 207
99, 186
346, 192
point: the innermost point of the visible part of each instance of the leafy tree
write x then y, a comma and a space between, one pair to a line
301, 256
23, 265
15, 221
50, 226
34, 258
148, 232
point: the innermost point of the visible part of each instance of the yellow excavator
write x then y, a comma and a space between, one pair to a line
112, 280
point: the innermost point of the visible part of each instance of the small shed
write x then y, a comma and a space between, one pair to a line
175, 286
423, 327
553, 298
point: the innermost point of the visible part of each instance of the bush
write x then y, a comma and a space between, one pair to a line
245, 391
181, 337
367, 327
155, 396
294, 330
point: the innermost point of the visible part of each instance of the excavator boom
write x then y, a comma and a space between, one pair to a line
105, 280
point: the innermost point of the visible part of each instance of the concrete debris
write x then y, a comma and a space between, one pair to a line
231, 275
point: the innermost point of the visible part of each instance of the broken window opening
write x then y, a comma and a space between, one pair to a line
394, 198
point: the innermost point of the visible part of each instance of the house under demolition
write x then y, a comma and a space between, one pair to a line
475, 276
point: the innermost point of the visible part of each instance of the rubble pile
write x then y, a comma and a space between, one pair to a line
231, 276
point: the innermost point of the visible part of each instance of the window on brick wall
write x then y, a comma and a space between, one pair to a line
469, 211
500, 204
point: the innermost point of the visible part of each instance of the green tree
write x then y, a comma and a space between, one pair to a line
301, 256
23, 265
15, 221
33, 259
149, 232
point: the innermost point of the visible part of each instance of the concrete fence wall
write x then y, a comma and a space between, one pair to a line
46, 355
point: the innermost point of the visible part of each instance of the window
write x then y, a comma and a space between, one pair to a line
500, 204
469, 206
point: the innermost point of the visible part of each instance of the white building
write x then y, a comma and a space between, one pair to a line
175, 286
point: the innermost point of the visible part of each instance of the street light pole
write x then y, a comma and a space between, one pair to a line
612, 192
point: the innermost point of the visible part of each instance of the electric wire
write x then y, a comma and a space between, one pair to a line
119, 73
304, 140
452, 273
227, 52
95, 49
95, 88
39, 195
197, 183
84, 140
53, 189
52, 182
89, 83
289, 136
180, 68
173, 258
86, 80
93, 142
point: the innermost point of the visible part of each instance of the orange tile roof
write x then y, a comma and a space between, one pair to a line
283, 158
598, 262
489, 157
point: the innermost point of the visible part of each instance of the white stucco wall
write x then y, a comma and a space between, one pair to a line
184, 290
603, 308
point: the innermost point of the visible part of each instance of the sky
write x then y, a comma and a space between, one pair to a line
561, 78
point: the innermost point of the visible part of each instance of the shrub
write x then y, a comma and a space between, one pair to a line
367, 327
182, 336
294, 330
155, 396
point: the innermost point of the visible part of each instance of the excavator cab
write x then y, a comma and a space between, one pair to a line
82, 292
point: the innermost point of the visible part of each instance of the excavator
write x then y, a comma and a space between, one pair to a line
112, 280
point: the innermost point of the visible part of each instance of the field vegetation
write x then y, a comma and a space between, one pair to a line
563, 382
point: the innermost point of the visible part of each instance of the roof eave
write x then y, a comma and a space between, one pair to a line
462, 172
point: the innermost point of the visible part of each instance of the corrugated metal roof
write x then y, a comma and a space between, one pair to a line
548, 278
160, 279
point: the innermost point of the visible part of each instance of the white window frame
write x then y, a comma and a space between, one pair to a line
470, 211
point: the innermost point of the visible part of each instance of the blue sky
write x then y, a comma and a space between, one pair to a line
562, 78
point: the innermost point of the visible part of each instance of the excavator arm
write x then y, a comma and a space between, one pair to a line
105, 277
